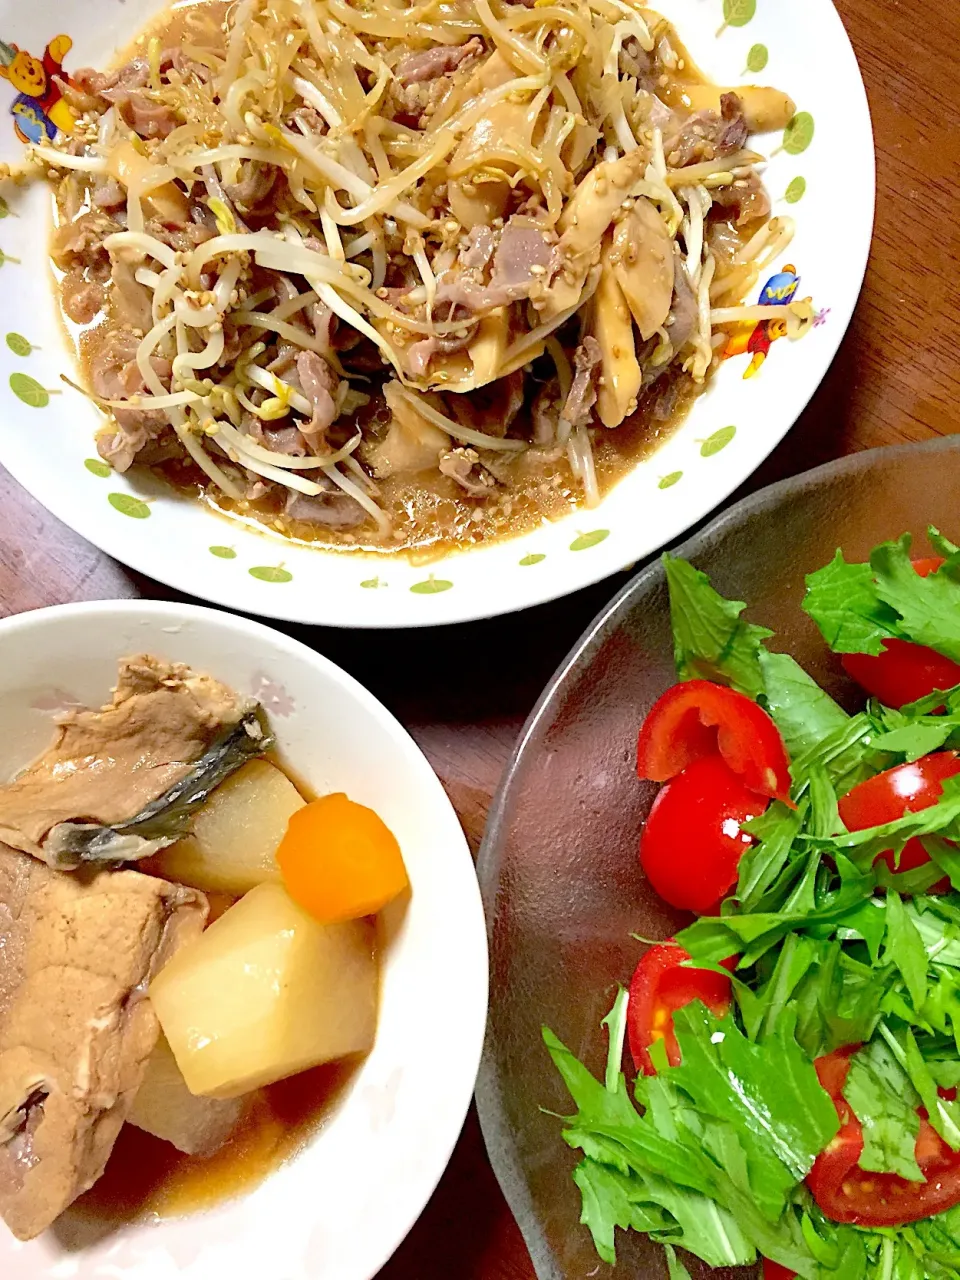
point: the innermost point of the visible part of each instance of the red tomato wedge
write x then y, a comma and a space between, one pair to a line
698, 718
847, 1193
691, 845
903, 672
906, 789
659, 987
774, 1271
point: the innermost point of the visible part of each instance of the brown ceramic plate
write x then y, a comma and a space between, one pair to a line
558, 868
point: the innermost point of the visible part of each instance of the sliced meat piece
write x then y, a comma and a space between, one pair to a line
109, 194
478, 248
105, 767
524, 256
545, 411
684, 310
80, 242
138, 109
115, 375
77, 953
334, 510
319, 384
583, 390
463, 466
82, 299
255, 186
746, 199
419, 354
180, 235
492, 408
428, 64
708, 136
132, 302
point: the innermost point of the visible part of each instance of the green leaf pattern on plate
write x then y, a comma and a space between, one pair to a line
97, 468
719, 440
431, 587
371, 584
4, 208
737, 13
796, 191
799, 133
757, 58
5, 257
128, 505
588, 540
18, 344
270, 573
223, 553
667, 482
29, 391
535, 558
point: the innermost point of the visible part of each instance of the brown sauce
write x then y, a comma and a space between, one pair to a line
146, 1178
431, 514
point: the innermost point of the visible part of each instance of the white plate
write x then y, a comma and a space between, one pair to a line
730, 431
340, 1208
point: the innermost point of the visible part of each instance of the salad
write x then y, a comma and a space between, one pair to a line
796, 1049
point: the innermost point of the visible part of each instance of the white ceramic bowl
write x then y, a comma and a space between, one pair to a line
800, 47
340, 1208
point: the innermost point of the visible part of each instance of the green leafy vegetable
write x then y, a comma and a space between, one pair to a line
711, 641
859, 606
884, 1101
833, 948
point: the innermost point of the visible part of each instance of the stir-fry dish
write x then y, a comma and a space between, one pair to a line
796, 1048
396, 276
119, 1005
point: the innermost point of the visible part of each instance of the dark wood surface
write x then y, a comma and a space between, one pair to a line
464, 693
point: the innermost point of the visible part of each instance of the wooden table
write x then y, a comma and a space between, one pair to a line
465, 692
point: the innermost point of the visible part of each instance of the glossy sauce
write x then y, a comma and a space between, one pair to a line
148, 1178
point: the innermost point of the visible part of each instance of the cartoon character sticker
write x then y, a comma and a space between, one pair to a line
756, 339
39, 108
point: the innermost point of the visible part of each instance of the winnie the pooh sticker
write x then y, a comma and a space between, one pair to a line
39, 110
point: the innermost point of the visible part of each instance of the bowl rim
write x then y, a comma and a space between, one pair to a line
461, 1068
497, 1133
487, 601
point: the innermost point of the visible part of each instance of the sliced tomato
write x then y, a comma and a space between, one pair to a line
660, 986
699, 718
847, 1193
692, 843
906, 789
774, 1271
903, 672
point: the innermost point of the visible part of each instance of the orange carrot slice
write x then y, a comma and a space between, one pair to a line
339, 860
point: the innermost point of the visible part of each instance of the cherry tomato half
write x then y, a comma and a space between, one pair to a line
847, 1193
698, 718
903, 672
691, 845
774, 1271
659, 987
908, 788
